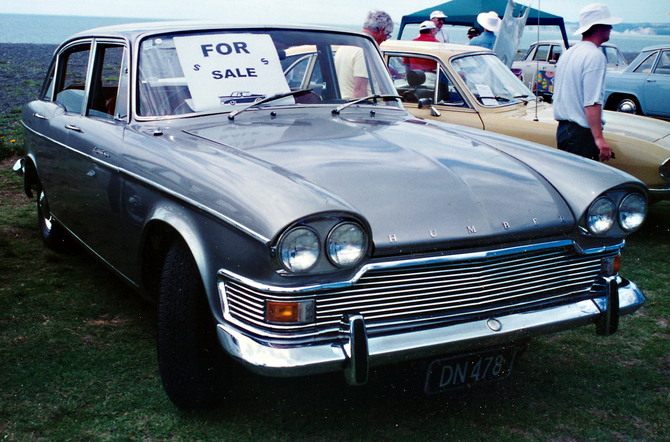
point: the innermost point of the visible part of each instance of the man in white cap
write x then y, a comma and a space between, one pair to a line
579, 89
491, 24
437, 17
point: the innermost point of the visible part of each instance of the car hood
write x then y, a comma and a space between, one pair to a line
411, 181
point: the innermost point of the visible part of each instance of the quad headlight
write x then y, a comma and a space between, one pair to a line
632, 211
604, 214
346, 244
600, 217
300, 248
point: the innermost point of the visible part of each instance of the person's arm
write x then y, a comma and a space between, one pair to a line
360, 87
594, 117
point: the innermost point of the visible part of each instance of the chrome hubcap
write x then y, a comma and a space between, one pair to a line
627, 106
44, 208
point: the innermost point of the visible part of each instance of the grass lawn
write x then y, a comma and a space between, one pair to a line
77, 362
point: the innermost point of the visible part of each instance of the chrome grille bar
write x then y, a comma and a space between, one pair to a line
431, 292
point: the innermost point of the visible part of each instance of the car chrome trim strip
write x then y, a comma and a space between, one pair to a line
396, 264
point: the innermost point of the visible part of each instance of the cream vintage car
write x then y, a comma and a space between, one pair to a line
470, 86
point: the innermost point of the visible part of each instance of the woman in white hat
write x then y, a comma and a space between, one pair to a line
579, 89
491, 24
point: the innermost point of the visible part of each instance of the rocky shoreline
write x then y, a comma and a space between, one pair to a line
22, 71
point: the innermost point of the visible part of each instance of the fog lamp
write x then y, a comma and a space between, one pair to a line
296, 312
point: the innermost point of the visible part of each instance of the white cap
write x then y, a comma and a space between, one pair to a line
489, 21
427, 25
437, 14
595, 14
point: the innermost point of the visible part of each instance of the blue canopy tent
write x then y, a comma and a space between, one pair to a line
464, 13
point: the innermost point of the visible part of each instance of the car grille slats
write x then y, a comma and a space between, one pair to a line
423, 293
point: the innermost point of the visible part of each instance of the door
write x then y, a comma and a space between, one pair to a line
86, 183
657, 87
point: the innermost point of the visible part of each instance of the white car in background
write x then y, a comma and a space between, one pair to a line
537, 67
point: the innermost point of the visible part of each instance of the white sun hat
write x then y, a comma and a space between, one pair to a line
437, 14
489, 21
595, 14
427, 25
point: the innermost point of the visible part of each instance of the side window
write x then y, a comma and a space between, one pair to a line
414, 78
541, 53
71, 84
612, 55
105, 80
48, 87
122, 103
295, 73
663, 66
447, 94
305, 73
556, 52
646, 65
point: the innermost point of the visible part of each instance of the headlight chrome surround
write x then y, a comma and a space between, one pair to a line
299, 249
346, 244
601, 215
632, 211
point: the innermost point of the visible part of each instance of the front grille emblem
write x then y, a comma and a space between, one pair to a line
494, 324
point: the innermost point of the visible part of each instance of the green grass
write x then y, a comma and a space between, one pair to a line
77, 362
11, 134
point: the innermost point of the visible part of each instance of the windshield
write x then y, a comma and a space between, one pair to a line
227, 70
490, 81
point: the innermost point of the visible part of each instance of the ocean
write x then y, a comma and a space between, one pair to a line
52, 29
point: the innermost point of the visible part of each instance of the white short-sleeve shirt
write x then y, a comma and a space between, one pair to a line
579, 82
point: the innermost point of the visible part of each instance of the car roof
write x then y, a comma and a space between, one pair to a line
655, 47
570, 42
132, 31
430, 47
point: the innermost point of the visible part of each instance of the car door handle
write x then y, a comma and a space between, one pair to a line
72, 127
651, 81
40, 116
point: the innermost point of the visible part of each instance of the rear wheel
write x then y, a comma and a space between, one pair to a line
53, 234
189, 357
628, 105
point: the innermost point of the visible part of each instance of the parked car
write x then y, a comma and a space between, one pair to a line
473, 88
305, 233
644, 87
538, 66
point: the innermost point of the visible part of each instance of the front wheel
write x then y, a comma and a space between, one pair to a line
189, 357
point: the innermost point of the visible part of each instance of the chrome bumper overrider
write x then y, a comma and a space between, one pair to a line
354, 352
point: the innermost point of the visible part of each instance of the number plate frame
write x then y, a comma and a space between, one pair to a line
468, 369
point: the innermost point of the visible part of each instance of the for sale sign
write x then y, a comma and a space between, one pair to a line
225, 70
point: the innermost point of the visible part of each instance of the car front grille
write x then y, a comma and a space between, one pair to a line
424, 293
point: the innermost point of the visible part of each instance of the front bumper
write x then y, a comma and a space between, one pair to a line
354, 352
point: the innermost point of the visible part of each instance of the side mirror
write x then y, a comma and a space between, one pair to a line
425, 102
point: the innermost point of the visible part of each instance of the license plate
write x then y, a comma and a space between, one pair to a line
472, 368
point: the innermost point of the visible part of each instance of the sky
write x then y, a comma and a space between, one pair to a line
337, 12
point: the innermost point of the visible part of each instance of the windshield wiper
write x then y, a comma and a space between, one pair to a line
232, 115
522, 98
341, 107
